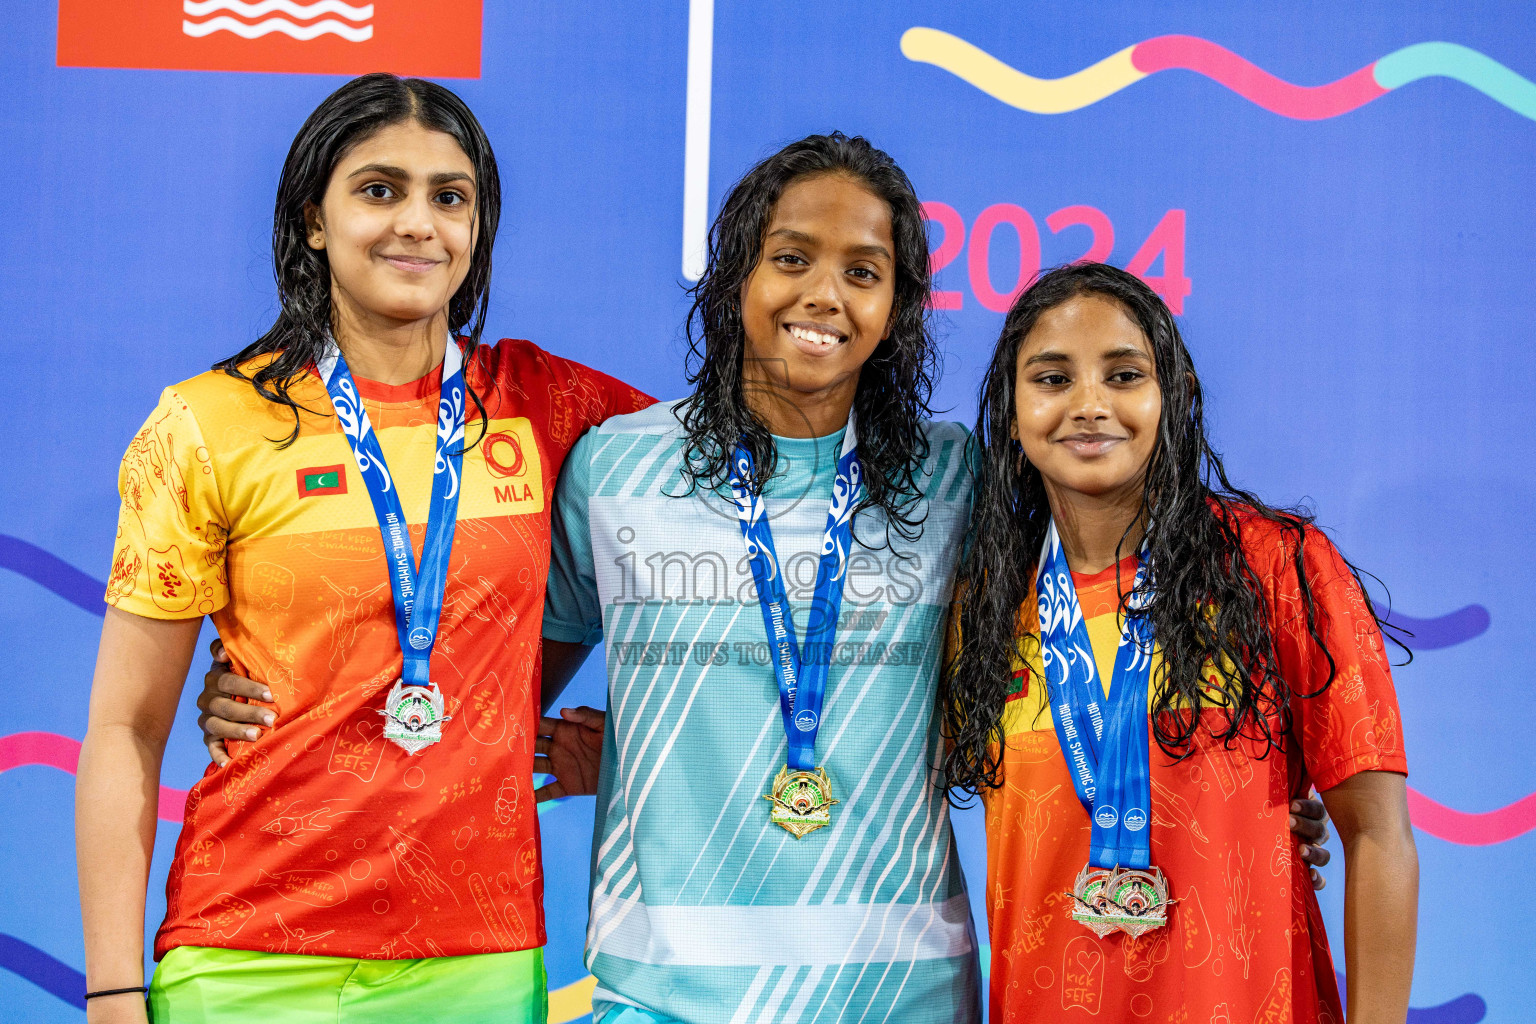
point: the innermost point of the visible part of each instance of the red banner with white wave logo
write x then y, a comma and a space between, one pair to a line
440, 39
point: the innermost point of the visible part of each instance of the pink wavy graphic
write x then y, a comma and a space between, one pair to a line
48, 748
1484, 829
1442, 822
1253, 83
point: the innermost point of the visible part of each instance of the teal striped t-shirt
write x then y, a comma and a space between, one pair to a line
701, 909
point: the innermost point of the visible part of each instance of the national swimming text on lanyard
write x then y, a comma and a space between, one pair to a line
802, 793
1105, 745
414, 707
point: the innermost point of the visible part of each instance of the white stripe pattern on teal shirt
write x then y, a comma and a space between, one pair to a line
702, 910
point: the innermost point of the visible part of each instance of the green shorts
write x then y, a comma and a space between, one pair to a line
204, 985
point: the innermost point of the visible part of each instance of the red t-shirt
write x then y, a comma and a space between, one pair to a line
1244, 941
321, 837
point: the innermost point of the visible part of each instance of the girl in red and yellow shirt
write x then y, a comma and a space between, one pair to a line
325, 870
1264, 675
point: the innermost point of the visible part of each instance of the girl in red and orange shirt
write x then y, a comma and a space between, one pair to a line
1231, 660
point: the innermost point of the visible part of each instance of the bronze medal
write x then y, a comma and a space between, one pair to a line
1109, 900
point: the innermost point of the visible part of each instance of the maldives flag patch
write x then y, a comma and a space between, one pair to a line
322, 480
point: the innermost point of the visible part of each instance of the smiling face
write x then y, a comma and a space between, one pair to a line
819, 301
1086, 401
398, 226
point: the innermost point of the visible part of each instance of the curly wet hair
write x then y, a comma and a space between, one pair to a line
896, 383
1208, 607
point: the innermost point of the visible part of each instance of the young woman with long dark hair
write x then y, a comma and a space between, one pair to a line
770, 844
360, 500
1145, 650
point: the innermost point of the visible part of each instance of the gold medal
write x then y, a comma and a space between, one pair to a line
802, 801
1109, 900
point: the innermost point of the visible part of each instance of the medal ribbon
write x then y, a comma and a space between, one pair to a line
418, 595
1103, 739
802, 676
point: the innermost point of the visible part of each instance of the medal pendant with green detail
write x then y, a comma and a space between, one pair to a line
1109, 900
802, 801
413, 716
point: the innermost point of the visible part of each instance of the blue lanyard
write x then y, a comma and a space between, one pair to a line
418, 595
1104, 741
802, 676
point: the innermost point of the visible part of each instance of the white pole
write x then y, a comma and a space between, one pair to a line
701, 53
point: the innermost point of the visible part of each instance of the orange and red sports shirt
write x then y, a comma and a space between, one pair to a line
321, 837
1244, 941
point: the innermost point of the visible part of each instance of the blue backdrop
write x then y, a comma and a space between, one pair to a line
1358, 261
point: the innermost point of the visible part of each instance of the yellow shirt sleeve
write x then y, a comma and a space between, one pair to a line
168, 559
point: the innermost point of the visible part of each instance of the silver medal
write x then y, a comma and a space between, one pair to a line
413, 716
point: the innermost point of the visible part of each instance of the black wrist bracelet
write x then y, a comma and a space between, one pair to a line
140, 989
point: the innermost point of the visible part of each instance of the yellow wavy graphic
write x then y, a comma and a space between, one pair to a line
571, 1002
1013, 87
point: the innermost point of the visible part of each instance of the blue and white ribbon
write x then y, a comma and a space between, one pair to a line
802, 675
418, 594
1104, 739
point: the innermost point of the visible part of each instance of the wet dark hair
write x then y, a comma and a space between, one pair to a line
1208, 607
894, 385
347, 117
